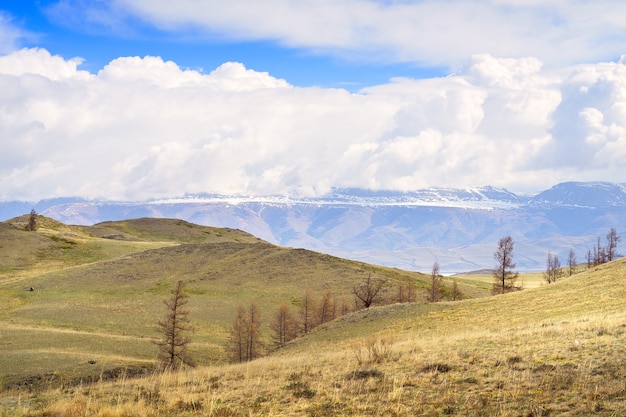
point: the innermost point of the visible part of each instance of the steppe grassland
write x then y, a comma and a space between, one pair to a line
98, 299
555, 350
525, 281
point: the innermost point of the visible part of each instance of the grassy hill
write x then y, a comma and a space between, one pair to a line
554, 350
98, 291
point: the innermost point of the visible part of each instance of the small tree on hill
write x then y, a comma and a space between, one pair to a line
369, 291
326, 308
553, 269
612, 240
435, 292
254, 343
504, 274
407, 293
599, 254
173, 328
307, 316
32, 221
245, 337
571, 263
283, 326
237, 349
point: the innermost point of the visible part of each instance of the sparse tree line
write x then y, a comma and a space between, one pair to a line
600, 255
297, 318
505, 275
246, 341
309, 312
291, 320
603, 254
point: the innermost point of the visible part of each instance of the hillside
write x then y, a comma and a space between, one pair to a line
98, 290
556, 350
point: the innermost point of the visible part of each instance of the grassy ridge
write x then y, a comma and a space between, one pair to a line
109, 281
552, 351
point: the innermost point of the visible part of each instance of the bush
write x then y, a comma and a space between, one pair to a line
374, 350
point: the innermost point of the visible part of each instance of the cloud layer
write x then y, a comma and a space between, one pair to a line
144, 127
441, 33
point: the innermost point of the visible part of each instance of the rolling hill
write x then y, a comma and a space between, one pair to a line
555, 350
99, 286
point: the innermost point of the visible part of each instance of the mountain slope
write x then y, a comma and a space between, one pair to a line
459, 229
581, 194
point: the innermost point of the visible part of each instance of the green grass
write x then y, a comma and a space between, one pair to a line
548, 350
111, 279
554, 350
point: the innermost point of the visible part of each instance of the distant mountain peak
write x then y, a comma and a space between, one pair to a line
582, 194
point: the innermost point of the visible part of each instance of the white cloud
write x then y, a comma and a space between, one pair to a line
144, 127
10, 34
438, 33
39, 62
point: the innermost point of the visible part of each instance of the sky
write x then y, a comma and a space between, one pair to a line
141, 99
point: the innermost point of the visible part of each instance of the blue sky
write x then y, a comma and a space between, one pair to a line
45, 26
140, 99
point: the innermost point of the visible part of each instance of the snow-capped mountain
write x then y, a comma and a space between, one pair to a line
458, 228
582, 194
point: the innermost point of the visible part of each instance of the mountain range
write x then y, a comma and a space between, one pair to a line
458, 228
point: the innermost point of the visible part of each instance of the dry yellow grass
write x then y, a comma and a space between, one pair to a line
557, 350
99, 291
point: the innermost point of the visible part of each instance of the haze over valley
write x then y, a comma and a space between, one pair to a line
458, 228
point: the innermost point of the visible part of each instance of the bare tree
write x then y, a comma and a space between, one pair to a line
254, 343
571, 262
612, 240
32, 221
174, 328
245, 336
307, 316
326, 308
553, 269
407, 293
284, 326
504, 274
435, 292
369, 291
238, 336
600, 254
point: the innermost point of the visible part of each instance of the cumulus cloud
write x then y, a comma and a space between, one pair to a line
437, 33
590, 120
143, 127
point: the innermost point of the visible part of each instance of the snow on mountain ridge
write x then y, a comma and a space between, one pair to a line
458, 228
582, 194
485, 198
